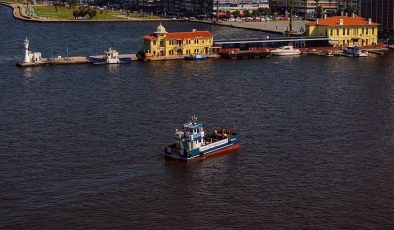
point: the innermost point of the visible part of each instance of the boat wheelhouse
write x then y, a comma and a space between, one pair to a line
110, 57
191, 142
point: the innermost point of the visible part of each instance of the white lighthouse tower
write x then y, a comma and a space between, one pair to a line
27, 58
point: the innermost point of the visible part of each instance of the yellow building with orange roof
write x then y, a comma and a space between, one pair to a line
164, 44
345, 30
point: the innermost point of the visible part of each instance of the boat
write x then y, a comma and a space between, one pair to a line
192, 142
196, 57
329, 53
355, 51
391, 46
110, 57
285, 51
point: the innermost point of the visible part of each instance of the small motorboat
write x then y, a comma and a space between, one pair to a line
329, 53
355, 51
196, 57
285, 51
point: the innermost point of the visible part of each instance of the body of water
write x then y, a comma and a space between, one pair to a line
81, 146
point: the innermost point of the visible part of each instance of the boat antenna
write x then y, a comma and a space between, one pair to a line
194, 118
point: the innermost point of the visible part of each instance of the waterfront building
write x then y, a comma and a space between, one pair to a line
176, 8
308, 8
164, 44
344, 30
187, 7
381, 11
240, 5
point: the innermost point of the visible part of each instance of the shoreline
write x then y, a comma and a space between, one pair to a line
20, 16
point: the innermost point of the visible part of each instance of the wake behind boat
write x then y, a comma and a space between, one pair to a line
191, 142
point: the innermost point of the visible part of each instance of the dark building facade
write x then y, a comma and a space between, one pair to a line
381, 11
174, 7
187, 7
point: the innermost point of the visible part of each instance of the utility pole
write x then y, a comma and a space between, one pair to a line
217, 10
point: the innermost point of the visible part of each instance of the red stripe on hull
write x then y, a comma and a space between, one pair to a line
215, 153
221, 151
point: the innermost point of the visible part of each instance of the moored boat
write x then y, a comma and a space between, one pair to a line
285, 51
191, 142
110, 57
355, 51
196, 57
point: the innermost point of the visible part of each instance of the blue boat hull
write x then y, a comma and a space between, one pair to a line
219, 147
192, 58
125, 60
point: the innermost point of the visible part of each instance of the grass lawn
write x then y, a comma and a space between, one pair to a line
50, 12
67, 13
12, 1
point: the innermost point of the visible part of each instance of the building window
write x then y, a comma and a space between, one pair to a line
367, 31
195, 41
343, 32
373, 31
348, 32
337, 32
154, 42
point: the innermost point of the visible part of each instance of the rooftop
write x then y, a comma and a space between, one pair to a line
347, 21
183, 35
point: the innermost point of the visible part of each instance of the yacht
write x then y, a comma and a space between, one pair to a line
285, 51
355, 51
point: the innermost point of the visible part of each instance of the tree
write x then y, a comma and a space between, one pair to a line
351, 9
82, 12
272, 5
256, 13
317, 9
264, 10
91, 13
76, 13
246, 13
236, 13
73, 3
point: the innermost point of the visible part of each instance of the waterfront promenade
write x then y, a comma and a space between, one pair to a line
278, 26
19, 12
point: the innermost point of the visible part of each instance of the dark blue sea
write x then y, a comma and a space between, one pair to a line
81, 146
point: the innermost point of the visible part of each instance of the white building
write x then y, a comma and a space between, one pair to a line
240, 5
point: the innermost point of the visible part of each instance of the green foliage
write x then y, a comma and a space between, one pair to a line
264, 11
73, 3
319, 11
236, 13
246, 13
351, 9
76, 13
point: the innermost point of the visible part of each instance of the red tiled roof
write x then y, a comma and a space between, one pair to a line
150, 37
347, 21
183, 35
